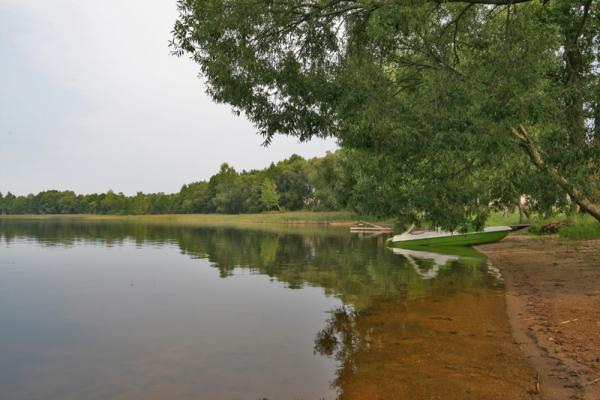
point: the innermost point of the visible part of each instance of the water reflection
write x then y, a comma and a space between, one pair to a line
396, 324
427, 261
353, 269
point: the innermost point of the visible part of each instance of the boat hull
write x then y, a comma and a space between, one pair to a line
470, 239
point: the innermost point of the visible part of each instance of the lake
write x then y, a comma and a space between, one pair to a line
111, 310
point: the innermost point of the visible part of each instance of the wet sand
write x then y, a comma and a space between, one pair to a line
553, 303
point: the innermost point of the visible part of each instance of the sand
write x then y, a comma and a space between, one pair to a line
553, 304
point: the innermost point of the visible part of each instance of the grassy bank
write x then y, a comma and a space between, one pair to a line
580, 227
333, 218
498, 218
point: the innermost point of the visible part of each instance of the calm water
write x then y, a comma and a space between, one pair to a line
117, 311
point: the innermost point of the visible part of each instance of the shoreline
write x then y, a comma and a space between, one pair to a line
553, 305
323, 218
301, 222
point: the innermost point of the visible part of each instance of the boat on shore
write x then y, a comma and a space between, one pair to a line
412, 238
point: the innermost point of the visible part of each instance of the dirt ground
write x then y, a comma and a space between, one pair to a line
553, 302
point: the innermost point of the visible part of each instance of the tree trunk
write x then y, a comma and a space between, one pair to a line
529, 147
574, 99
521, 215
523, 212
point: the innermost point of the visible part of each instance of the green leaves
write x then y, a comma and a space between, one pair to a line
432, 89
269, 195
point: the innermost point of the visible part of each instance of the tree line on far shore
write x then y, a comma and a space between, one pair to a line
348, 179
332, 182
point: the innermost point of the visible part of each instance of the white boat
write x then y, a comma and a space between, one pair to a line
446, 238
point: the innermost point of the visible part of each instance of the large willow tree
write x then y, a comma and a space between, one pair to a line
456, 104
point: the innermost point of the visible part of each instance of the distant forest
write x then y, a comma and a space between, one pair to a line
326, 183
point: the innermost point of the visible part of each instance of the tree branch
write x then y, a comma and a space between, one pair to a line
455, 21
524, 140
586, 12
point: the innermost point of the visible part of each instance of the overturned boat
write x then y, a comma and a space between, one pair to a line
413, 238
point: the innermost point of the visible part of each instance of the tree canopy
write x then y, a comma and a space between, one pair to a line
454, 105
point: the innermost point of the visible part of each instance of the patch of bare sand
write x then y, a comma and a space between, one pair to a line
553, 302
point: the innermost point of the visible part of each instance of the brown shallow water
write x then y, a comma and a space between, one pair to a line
120, 311
450, 347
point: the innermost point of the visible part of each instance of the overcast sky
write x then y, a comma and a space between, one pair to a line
91, 100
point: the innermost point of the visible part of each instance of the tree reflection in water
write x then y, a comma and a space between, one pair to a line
388, 318
340, 338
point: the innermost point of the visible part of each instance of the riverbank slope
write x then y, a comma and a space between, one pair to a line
553, 302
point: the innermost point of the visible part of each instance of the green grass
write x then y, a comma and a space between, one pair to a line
498, 218
538, 222
581, 227
340, 218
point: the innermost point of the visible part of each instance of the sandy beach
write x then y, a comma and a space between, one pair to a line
553, 303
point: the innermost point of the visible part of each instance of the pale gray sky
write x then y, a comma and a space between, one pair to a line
91, 100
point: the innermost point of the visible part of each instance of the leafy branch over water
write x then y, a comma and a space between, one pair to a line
430, 92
